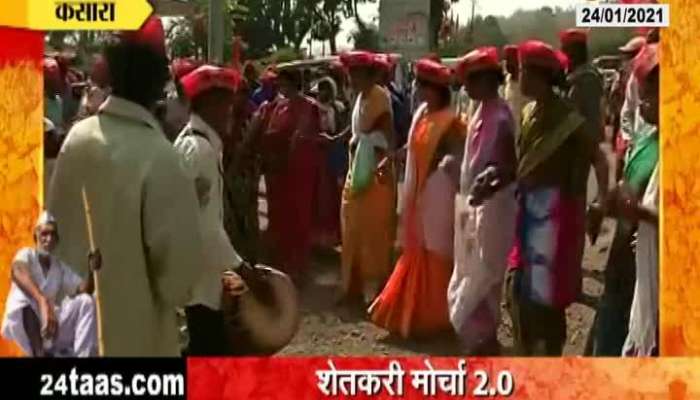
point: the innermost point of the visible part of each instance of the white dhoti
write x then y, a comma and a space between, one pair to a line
76, 335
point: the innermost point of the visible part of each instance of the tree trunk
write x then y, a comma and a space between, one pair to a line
333, 44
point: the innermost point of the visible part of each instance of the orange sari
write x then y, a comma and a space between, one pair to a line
368, 222
414, 301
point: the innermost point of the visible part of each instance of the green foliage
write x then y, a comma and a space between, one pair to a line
366, 37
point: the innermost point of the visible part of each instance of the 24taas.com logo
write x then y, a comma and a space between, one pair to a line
75, 384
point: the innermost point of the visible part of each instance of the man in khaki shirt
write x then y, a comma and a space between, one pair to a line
143, 208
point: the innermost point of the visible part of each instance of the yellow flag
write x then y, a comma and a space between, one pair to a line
49, 15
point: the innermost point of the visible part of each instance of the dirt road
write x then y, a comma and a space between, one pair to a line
327, 329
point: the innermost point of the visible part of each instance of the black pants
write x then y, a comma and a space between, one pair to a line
206, 331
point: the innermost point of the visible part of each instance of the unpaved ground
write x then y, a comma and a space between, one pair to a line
327, 329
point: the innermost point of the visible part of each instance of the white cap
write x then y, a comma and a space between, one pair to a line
45, 218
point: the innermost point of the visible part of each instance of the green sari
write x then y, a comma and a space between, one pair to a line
543, 148
642, 159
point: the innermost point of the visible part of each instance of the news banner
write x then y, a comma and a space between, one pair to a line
167, 378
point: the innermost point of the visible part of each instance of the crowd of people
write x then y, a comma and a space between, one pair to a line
492, 181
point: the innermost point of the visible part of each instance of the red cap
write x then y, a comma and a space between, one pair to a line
358, 59
646, 61
383, 62
510, 50
570, 36
479, 59
52, 72
433, 72
183, 66
534, 52
269, 75
209, 77
151, 34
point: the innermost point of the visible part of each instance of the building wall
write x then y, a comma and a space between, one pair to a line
403, 27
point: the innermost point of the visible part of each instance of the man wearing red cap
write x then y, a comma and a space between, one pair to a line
143, 208
177, 105
585, 82
98, 89
586, 93
211, 92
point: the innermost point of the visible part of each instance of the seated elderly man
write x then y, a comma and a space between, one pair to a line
50, 310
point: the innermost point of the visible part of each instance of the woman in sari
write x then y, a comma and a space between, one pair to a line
414, 300
291, 157
555, 154
485, 207
643, 207
369, 195
328, 195
612, 318
241, 168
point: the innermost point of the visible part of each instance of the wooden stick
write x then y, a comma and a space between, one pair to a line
95, 274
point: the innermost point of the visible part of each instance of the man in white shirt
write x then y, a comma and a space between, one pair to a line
210, 91
50, 309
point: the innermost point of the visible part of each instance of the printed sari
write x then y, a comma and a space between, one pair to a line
553, 164
414, 302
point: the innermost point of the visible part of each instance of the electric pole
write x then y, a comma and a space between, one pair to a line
216, 31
